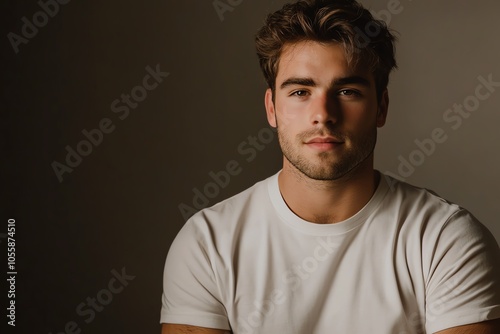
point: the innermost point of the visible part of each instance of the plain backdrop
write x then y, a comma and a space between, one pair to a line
118, 209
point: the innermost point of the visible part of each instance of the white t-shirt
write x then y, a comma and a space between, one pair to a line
408, 262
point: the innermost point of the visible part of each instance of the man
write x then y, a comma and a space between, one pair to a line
328, 244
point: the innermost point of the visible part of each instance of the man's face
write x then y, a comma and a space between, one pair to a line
326, 111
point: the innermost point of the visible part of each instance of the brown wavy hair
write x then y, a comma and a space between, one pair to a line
340, 21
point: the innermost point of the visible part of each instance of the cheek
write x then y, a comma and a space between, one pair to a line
290, 114
360, 118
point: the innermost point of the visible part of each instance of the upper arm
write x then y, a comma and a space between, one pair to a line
486, 327
192, 292
463, 282
185, 329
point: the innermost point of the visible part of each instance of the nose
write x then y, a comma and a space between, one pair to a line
324, 110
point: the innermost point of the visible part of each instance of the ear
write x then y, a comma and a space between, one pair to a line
383, 108
270, 110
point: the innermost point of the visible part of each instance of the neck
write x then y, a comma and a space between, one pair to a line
332, 201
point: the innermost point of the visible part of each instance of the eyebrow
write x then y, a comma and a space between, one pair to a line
309, 82
298, 81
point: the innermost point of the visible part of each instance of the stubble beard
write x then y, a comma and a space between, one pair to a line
328, 166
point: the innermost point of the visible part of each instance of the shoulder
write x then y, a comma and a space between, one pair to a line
439, 228
409, 193
226, 217
417, 202
433, 218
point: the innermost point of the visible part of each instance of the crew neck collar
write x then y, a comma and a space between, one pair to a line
292, 220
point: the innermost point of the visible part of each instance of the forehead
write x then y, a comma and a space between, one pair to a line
318, 60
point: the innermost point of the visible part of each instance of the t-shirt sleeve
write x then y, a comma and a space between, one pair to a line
463, 284
191, 293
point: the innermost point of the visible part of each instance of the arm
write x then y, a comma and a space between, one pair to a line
463, 282
185, 329
486, 327
192, 299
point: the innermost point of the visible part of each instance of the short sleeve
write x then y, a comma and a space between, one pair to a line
191, 295
463, 283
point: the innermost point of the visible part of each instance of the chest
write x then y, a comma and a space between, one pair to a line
353, 283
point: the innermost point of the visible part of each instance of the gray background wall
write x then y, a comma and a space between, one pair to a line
119, 208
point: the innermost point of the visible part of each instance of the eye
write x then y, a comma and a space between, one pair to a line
349, 92
300, 93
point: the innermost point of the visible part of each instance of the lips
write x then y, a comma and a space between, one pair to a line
322, 144
324, 140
